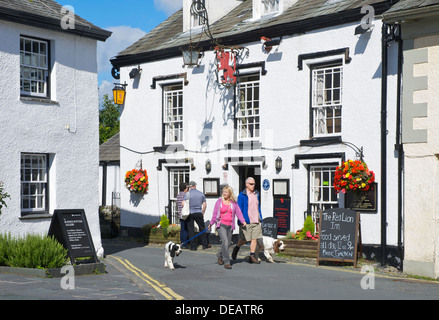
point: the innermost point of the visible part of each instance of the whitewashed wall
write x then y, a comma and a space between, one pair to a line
35, 127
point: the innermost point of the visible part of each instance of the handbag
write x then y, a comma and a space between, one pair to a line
185, 211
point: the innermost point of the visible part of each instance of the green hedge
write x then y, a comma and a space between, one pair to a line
32, 251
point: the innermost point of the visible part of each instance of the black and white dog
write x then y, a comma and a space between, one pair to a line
171, 250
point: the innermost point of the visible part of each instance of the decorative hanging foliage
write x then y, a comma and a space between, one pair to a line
353, 175
137, 181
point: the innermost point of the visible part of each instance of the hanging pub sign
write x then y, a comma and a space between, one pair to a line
226, 62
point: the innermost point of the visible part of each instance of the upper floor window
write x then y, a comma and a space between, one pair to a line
34, 67
326, 101
247, 114
270, 6
173, 113
198, 13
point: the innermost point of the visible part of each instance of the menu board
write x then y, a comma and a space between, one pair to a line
282, 212
269, 227
71, 229
338, 238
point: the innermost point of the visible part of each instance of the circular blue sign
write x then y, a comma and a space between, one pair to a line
266, 184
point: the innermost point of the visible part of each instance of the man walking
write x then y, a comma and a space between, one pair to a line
197, 205
248, 201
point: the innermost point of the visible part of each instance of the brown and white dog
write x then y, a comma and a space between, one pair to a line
171, 250
270, 246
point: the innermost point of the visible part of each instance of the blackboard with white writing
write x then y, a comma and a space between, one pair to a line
71, 229
269, 227
338, 236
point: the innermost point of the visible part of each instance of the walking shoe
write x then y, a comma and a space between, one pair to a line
252, 259
220, 261
228, 266
235, 252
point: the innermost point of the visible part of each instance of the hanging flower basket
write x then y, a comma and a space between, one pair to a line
137, 181
353, 175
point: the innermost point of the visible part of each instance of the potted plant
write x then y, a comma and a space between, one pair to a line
303, 243
353, 175
137, 181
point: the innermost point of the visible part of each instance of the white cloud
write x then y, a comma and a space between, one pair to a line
122, 37
106, 87
168, 6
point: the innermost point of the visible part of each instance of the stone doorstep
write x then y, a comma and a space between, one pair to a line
82, 269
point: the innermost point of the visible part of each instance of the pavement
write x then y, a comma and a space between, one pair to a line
117, 283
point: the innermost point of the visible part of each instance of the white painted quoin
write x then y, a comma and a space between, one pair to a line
213, 121
49, 144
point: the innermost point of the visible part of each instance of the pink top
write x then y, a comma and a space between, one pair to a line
253, 207
226, 214
216, 214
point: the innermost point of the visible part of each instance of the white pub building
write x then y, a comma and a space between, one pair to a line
281, 90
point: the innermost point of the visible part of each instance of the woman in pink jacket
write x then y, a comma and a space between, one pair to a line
224, 213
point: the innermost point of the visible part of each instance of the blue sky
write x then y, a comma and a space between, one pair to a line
129, 20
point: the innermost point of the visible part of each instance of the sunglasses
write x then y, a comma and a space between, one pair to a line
252, 184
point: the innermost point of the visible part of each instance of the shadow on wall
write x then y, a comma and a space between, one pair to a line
131, 223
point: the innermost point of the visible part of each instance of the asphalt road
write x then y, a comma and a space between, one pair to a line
199, 277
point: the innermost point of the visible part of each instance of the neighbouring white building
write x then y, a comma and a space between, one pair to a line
310, 93
419, 25
49, 144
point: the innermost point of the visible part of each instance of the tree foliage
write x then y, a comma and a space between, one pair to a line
109, 123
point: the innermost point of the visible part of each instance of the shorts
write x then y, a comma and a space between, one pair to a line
250, 232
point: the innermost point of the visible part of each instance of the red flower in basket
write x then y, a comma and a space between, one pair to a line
137, 181
353, 175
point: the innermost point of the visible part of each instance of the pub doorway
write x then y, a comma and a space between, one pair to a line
249, 171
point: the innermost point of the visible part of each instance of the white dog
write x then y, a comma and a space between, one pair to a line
171, 250
270, 246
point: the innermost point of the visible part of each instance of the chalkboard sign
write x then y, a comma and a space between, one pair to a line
338, 238
282, 212
269, 227
71, 229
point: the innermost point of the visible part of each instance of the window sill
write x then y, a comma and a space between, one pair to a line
35, 216
38, 100
323, 141
244, 145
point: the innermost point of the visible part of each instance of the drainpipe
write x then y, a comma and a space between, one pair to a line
384, 143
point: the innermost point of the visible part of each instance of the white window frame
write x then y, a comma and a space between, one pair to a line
197, 19
326, 104
173, 113
269, 7
322, 193
176, 176
34, 67
34, 182
248, 108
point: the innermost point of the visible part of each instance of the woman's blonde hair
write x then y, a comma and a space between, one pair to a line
232, 195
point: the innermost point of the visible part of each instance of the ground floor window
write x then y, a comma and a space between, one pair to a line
322, 193
176, 176
34, 183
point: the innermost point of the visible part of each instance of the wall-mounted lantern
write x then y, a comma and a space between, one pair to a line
119, 93
278, 164
191, 56
208, 166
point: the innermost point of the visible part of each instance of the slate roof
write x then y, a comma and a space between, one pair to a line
412, 4
238, 26
47, 14
109, 151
